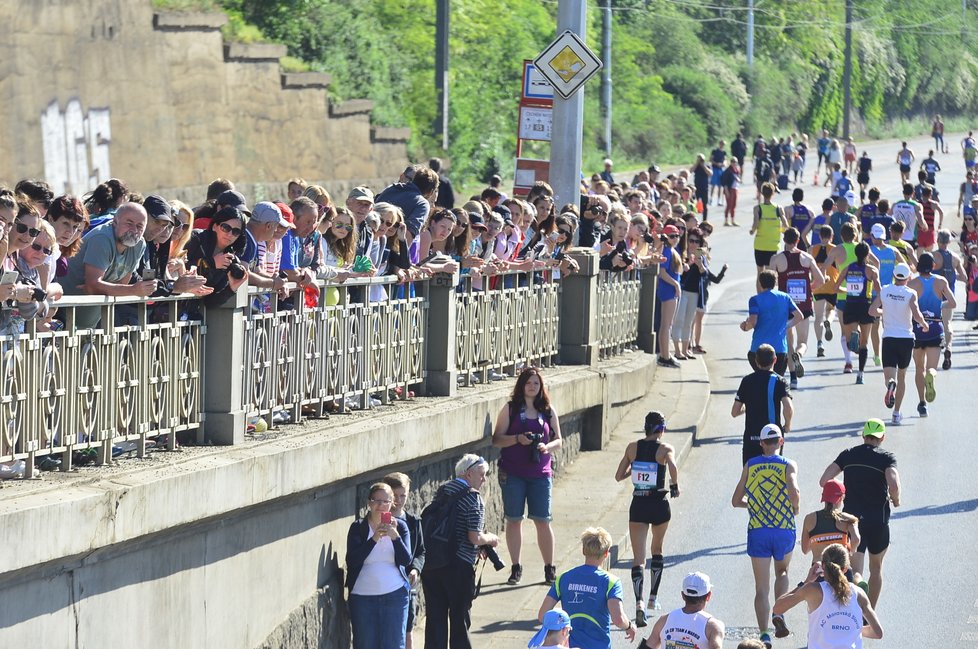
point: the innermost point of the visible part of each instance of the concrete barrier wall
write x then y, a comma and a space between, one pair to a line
244, 546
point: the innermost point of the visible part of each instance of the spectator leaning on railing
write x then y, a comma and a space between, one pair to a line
214, 253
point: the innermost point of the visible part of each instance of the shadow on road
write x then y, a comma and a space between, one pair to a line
960, 507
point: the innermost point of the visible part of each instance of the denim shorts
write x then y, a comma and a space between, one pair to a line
767, 542
531, 494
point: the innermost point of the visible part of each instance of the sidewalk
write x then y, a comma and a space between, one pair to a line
587, 495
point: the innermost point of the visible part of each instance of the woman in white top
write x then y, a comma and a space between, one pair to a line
377, 559
839, 613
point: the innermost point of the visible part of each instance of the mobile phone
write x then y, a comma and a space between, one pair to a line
9, 277
149, 273
386, 518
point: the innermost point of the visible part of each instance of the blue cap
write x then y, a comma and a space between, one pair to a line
553, 620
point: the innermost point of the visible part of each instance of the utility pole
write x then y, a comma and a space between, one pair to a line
750, 35
847, 73
606, 73
568, 123
441, 69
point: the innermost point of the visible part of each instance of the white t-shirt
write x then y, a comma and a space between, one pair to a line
897, 316
906, 212
379, 575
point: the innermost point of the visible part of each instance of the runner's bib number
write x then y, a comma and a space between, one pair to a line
855, 285
645, 475
798, 290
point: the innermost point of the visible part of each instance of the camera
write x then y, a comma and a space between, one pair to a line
493, 557
38, 295
623, 254
236, 269
535, 438
649, 238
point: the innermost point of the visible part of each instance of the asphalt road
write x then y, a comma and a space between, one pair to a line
929, 598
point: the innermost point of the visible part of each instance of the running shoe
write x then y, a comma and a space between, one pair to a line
821, 351
799, 368
890, 397
766, 639
828, 330
847, 369
515, 574
922, 409
897, 419
654, 604
549, 574
780, 628
947, 360
859, 378
854, 341
669, 362
640, 617
930, 391
877, 361
793, 383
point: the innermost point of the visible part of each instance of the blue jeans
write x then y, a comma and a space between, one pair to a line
532, 493
380, 621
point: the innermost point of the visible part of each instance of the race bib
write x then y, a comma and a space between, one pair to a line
798, 290
855, 285
645, 475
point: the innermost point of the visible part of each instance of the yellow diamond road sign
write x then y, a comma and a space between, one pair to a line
567, 63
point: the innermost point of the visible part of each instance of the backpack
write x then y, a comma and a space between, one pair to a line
438, 524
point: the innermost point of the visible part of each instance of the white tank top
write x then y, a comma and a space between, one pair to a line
685, 630
835, 626
897, 318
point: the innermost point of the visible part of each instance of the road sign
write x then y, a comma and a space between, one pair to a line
536, 122
567, 63
537, 91
528, 172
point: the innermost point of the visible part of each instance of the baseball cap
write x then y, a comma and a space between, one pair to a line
286, 211
874, 428
696, 584
771, 431
553, 620
361, 194
901, 271
476, 221
158, 209
833, 491
670, 229
850, 197
878, 231
232, 198
266, 212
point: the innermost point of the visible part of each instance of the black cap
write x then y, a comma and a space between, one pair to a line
231, 198
476, 221
158, 209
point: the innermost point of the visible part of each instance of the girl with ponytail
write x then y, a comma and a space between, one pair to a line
839, 613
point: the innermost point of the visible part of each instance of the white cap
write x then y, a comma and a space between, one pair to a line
901, 271
878, 231
850, 197
696, 584
771, 431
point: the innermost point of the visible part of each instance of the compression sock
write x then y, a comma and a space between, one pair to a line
655, 572
845, 349
863, 353
638, 583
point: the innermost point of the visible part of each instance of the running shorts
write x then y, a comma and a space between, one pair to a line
715, 177
905, 169
933, 337
874, 529
653, 510
897, 352
768, 543
857, 313
828, 297
763, 257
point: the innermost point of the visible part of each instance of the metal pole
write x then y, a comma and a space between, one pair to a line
750, 35
441, 69
847, 73
568, 124
606, 74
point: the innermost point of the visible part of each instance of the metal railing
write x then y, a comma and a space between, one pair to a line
618, 309
504, 322
108, 388
342, 353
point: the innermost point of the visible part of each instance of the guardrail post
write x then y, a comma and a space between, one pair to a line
441, 369
223, 371
579, 335
646, 309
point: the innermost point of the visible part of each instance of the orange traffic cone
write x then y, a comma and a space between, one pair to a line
699, 205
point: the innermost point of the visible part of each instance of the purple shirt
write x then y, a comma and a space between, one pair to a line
517, 460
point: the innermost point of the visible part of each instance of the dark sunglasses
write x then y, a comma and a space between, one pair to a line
229, 230
389, 224
21, 229
697, 241
343, 226
564, 232
38, 247
672, 236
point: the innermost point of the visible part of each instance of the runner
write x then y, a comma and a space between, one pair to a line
730, 182
898, 304
738, 149
823, 152
689, 627
909, 212
825, 218
904, 158
764, 171
768, 489
918, 189
646, 462
861, 281
769, 221
800, 217
888, 256
798, 274
863, 167
829, 525
840, 257
948, 265
969, 150
839, 613
765, 397
903, 247
842, 186
825, 295
926, 236
932, 294
937, 132
869, 212
770, 314
717, 158
872, 483
849, 155
554, 632
968, 190
930, 166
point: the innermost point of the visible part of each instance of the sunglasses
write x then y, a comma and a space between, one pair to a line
180, 226
462, 224
229, 230
21, 229
388, 224
475, 462
696, 241
672, 236
38, 247
564, 232
343, 226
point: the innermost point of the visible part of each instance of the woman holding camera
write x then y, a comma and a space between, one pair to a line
528, 432
377, 560
214, 252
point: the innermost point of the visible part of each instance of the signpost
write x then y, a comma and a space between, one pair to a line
536, 123
567, 64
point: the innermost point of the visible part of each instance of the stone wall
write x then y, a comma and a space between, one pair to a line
97, 88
